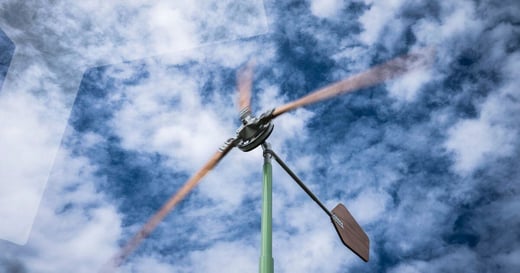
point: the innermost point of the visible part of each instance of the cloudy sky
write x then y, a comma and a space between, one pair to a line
107, 107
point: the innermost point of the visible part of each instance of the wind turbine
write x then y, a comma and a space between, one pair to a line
254, 131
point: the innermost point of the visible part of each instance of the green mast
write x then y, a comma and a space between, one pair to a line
266, 258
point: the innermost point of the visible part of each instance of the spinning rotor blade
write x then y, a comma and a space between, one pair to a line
380, 73
244, 83
167, 207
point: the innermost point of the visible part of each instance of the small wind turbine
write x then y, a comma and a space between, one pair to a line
254, 132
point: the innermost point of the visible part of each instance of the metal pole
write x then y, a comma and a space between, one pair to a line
266, 258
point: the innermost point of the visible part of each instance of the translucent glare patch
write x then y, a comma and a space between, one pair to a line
55, 44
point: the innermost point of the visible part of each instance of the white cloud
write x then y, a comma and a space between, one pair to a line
458, 259
377, 17
457, 26
369, 206
407, 86
493, 134
148, 264
417, 221
22, 119
326, 8
413, 267
76, 229
312, 240
228, 256
475, 141
186, 131
509, 261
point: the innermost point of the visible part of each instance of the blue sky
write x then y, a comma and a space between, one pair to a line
110, 107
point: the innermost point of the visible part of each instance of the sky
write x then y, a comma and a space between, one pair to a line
108, 107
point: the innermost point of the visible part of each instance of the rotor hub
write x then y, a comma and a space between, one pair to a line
253, 133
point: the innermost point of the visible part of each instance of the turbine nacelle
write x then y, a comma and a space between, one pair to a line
253, 131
